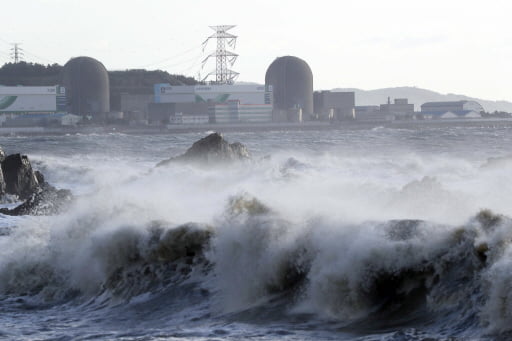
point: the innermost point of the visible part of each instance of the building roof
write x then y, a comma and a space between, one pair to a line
444, 103
453, 106
440, 113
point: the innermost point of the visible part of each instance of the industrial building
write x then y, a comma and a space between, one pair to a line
399, 109
369, 113
134, 107
32, 99
177, 113
291, 81
87, 86
85, 92
334, 105
287, 95
453, 109
223, 103
31, 105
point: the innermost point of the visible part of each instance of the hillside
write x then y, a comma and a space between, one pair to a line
126, 81
418, 96
142, 81
23, 73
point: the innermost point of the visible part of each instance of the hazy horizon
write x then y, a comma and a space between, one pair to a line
449, 47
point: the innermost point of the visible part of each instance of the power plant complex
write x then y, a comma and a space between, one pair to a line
291, 81
87, 84
83, 96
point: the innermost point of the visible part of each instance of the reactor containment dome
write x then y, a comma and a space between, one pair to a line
87, 87
292, 84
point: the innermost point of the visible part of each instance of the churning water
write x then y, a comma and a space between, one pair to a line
368, 234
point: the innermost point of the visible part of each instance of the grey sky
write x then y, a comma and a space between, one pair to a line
452, 46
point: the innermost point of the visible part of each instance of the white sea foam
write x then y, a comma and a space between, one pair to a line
328, 207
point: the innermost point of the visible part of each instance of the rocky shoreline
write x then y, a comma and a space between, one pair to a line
18, 180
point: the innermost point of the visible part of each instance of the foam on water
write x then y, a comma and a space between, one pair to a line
375, 227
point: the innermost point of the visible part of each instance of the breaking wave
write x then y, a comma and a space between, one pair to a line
410, 272
285, 239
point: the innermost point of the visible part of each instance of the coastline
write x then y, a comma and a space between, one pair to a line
311, 125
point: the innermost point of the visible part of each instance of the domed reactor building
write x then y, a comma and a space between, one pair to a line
291, 81
87, 87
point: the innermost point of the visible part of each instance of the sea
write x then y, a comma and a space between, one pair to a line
351, 233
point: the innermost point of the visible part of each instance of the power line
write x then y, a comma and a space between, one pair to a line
38, 57
187, 61
171, 57
5, 41
2, 52
21, 52
194, 64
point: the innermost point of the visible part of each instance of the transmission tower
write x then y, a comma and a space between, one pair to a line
16, 53
223, 57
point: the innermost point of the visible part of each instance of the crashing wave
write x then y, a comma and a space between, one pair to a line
399, 270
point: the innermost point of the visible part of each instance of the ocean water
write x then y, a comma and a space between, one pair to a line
343, 234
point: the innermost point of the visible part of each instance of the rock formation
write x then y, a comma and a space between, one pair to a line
2, 180
46, 201
18, 178
212, 149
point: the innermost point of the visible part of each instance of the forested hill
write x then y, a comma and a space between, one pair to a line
137, 81
23, 73
141, 81
131, 81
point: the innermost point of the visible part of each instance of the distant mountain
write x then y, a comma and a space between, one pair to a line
418, 96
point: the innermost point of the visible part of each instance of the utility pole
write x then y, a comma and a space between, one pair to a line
16, 52
223, 57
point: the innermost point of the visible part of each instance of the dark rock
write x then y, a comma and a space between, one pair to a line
239, 151
2, 183
292, 165
46, 201
488, 219
19, 177
185, 241
245, 204
39, 177
40, 197
2, 180
212, 149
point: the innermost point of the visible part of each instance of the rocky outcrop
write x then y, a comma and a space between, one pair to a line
212, 149
2, 180
19, 177
46, 201
40, 198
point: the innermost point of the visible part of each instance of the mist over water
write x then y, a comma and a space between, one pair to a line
337, 234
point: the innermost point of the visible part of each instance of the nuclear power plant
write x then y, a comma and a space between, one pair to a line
87, 87
83, 96
84, 92
287, 95
291, 81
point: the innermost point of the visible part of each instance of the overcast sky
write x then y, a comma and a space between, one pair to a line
450, 46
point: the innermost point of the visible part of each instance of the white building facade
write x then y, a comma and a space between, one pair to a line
32, 99
225, 103
31, 105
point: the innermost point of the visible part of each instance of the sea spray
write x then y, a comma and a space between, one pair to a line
376, 233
